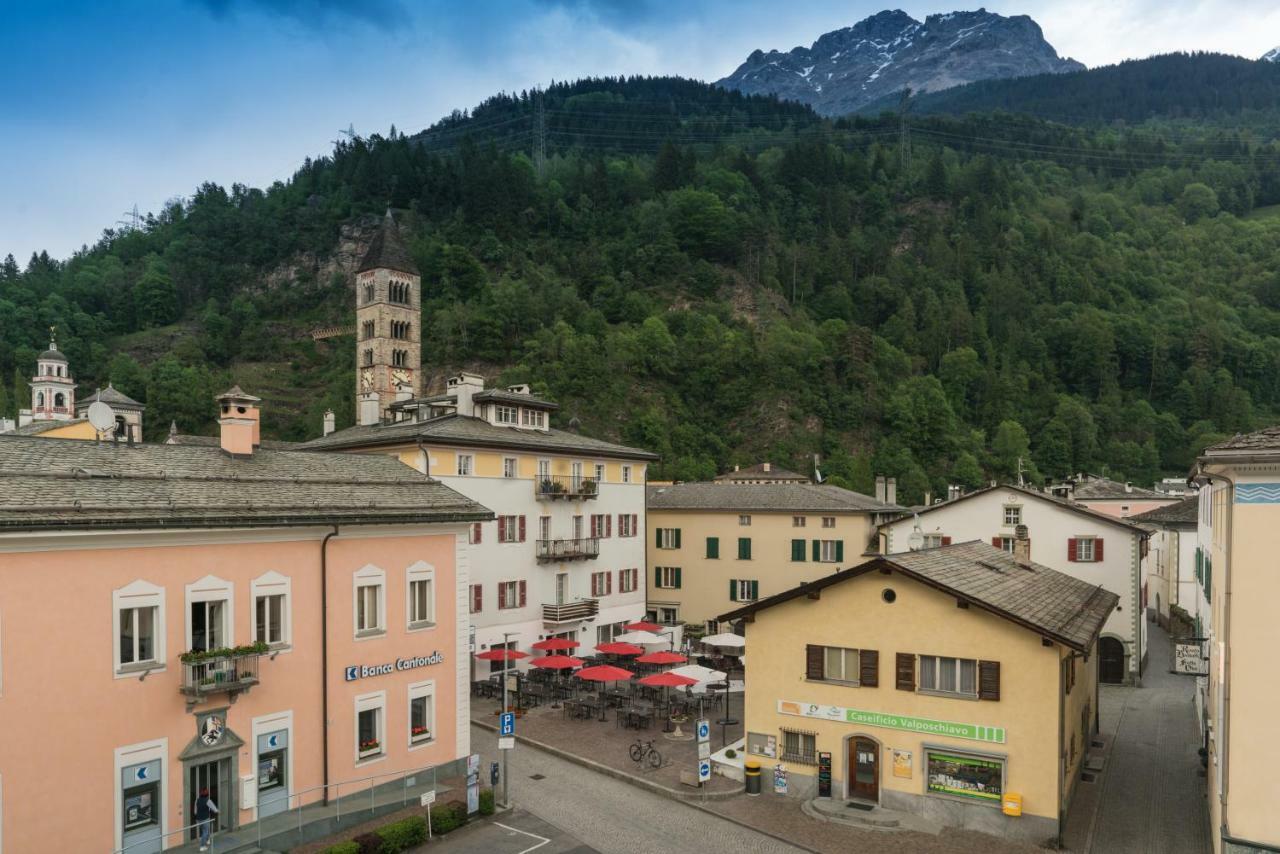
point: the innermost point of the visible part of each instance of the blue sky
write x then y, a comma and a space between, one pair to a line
108, 105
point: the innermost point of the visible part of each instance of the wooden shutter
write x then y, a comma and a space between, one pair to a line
905, 671
677, 578
657, 537
713, 548
608, 525
522, 540
477, 598
797, 550
522, 592
635, 523
839, 551
1097, 549
657, 576
817, 550
677, 538
869, 668
1071, 549
946, 541
594, 519
998, 542
988, 680
608, 584
733, 590
477, 531
813, 662
755, 590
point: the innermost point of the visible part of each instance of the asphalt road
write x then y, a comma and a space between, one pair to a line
608, 815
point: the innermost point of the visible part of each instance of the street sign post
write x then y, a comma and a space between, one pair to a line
704, 731
427, 798
704, 750
704, 770
507, 743
507, 723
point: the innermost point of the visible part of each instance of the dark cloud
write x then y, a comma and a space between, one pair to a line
320, 14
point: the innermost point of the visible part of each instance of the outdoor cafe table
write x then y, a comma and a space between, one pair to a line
636, 717
617, 696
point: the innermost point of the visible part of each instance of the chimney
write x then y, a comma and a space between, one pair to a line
891, 490
369, 408
463, 387
928, 498
404, 392
880, 488
735, 467
767, 466
238, 422
1021, 545
1128, 486
330, 422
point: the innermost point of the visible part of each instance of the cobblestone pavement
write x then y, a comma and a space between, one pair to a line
1151, 797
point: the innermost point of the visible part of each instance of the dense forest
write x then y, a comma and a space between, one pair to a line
723, 278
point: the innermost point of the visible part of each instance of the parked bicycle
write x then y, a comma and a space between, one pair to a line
641, 749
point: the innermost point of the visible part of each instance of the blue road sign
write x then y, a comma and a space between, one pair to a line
507, 723
704, 770
704, 730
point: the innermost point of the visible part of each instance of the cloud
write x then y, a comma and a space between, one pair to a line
319, 14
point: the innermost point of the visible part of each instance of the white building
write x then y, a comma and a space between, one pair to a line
53, 391
1089, 545
1171, 560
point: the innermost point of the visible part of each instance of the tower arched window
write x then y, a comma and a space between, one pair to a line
368, 330
40, 399
368, 292
400, 358
400, 329
368, 358
59, 400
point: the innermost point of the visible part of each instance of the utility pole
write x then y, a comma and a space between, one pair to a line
506, 777
904, 138
539, 134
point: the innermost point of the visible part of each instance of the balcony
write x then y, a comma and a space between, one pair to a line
583, 609
219, 672
551, 487
583, 548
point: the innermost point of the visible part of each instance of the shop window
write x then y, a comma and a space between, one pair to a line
370, 601
970, 776
370, 722
799, 747
420, 583
271, 615
422, 713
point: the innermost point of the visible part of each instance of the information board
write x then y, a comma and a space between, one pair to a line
1189, 658
824, 775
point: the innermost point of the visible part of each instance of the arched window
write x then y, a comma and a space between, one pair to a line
368, 292
400, 358
368, 329
59, 400
368, 358
39, 399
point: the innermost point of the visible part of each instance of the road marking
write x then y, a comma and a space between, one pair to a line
544, 839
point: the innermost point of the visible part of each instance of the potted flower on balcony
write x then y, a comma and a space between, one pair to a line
550, 486
420, 733
589, 486
370, 746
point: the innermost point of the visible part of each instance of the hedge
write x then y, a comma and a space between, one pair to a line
389, 839
486, 802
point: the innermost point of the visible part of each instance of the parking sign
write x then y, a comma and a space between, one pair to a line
704, 731
507, 723
704, 770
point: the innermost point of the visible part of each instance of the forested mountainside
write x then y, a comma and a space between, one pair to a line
723, 279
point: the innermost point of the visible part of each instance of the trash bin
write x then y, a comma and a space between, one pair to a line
751, 770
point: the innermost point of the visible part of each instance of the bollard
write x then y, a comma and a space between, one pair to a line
751, 772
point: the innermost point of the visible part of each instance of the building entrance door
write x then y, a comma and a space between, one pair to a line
562, 588
216, 777
1111, 663
864, 769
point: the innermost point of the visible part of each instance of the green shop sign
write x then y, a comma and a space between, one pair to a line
925, 726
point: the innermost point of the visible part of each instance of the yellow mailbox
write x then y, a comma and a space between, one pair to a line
1012, 804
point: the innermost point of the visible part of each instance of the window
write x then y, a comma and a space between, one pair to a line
511, 529
421, 605
828, 521
209, 617
506, 415
465, 464
599, 472
841, 664
511, 594
370, 723
799, 747
368, 292
744, 520
962, 775
713, 548
666, 577
744, 548
368, 358
949, 675
139, 627
667, 615
797, 521
607, 633
510, 467
400, 358
828, 551
477, 598
422, 713
933, 541
601, 584
1084, 549
1004, 543
366, 330
533, 417
475, 534
544, 469
668, 538
626, 474
1012, 514
370, 592
743, 590
271, 609
400, 329
628, 580
627, 523
544, 527
601, 525
797, 550
577, 527
138, 634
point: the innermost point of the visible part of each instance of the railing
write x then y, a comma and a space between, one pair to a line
551, 487
225, 674
577, 549
581, 610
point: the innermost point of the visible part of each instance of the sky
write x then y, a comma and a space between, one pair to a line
104, 106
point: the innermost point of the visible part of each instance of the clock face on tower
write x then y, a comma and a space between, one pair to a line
399, 376
366, 379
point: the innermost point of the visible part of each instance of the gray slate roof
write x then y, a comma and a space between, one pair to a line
51, 485
794, 497
1098, 488
1043, 496
1041, 599
1267, 439
473, 432
387, 250
35, 428
1185, 512
193, 441
112, 397
501, 395
757, 472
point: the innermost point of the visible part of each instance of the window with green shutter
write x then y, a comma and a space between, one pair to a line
839, 551
744, 548
797, 550
1208, 580
817, 550
713, 547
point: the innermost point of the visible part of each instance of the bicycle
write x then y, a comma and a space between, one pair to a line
641, 749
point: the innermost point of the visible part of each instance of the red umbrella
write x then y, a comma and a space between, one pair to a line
664, 657
618, 648
502, 655
604, 673
551, 644
557, 662
667, 679
642, 626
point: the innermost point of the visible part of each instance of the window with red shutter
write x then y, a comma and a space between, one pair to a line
988, 680
946, 541
477, 598
1097, 549
814, 659
869, 668
608, 525
608, 584
522, 540
998, 542
905, 671
477, 532
593, 526
1071, 549
522, 589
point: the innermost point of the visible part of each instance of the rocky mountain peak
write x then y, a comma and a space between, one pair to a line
1272, 55
847, 69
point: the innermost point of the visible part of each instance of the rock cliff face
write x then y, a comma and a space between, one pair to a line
848, 69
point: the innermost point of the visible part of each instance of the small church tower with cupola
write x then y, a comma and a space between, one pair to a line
388, 321
53, 391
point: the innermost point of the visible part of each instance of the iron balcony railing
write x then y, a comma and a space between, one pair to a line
583, 609
551, 487
223, 674
582, 548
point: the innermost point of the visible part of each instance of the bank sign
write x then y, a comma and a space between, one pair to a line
925, 726
365, 671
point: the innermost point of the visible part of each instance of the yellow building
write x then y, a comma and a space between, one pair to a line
947, 682
1239, 536
734, 541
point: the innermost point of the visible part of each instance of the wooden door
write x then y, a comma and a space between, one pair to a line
1111, 664
864, 769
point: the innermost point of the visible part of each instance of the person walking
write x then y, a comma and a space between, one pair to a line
204, 811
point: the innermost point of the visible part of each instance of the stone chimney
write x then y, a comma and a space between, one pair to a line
330, 422
369, 407
1022, 546
404, 392
238, 422
891, 490
767, 467
880, 488
1128, 486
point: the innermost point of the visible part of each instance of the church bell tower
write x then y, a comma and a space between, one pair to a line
388, 321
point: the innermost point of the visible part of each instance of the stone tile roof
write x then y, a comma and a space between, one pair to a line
1267, 439
50, 485
1041, 599
1043, 496
35, 428
473, 432
1184, 512
111, 396
1098, 488
757, 472
387, 250
797, 497
192, 441
499, 395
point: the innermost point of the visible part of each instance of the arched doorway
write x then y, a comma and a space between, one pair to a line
862, 768
1111, 660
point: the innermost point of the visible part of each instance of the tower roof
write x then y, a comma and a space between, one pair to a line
387, 250
53, 354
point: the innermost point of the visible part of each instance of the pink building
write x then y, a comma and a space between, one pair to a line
260, 622
1111, 497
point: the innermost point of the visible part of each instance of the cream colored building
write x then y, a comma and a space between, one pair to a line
715, 545
945, 682
1240, 496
